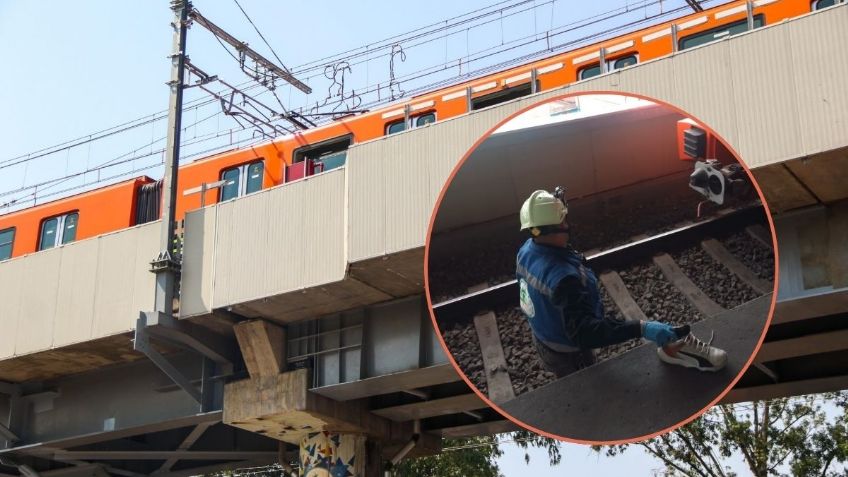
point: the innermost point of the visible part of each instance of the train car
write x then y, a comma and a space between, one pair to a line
62, 221
312, 151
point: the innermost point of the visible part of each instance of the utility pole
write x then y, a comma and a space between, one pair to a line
160, 321
218, 352
165, 266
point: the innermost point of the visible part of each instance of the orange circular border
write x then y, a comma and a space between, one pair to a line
450, 355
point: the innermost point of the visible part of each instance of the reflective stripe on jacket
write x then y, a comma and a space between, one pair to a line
539, 270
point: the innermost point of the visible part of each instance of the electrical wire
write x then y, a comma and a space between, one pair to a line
423, 42
399, 38
242, 143
514, 44
413, 34
279, 61
110, 131
123, 159
420, 33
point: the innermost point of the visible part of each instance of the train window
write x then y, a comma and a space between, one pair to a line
69, 229
242, 180
612, 65
255, 171
589, 72
395, 127
414, 122
502, 96
230, 190
424, 119
7, 240
59, 230
330, 161
719, 32
625, 62
819, 4
324, 156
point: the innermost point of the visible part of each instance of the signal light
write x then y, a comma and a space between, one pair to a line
695, 143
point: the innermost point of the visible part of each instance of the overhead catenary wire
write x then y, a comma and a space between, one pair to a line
388, 42
420, 43
124, 159
279, 61
107, 132
346, 55
514, 44
244, 143
419, 36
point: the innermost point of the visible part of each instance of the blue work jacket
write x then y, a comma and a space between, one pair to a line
540, 269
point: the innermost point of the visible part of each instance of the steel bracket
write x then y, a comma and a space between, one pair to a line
7, 435
213, 349
164, 262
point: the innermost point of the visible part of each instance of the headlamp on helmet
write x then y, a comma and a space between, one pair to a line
543, 212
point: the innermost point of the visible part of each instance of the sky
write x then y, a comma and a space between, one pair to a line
75, 68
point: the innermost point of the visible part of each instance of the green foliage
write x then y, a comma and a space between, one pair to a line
472, 457
527, 439
797, 436
475, 457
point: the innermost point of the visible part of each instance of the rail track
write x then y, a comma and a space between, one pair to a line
684, 274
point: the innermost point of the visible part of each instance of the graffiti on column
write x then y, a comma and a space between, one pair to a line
326, 454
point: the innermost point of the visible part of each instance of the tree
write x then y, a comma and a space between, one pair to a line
475, 456
798, 436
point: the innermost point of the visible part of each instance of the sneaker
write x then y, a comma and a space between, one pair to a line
690, 352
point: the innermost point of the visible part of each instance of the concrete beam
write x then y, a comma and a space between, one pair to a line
391, 383
479, 429
263, 346
803, 346
282, 407
792, 388
436, 407
161, 455
46, 448
810, 306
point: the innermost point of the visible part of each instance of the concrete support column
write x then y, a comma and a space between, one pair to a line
331, 454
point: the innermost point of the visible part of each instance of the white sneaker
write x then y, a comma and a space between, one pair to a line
690, 352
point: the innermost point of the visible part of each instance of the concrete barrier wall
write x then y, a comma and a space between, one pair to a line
78, 292
268, 243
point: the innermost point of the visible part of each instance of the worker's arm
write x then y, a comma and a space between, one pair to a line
589, 331
580, 322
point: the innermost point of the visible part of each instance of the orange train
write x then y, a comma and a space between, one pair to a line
293, 157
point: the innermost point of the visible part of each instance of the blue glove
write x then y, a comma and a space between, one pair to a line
659, 333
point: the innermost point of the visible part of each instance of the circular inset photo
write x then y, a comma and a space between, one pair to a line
600, 268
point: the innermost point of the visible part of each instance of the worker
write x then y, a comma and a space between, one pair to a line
560, 297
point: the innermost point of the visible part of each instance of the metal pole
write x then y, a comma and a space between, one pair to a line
602, 56
749, 8
164, 264
534, 81
674, 45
